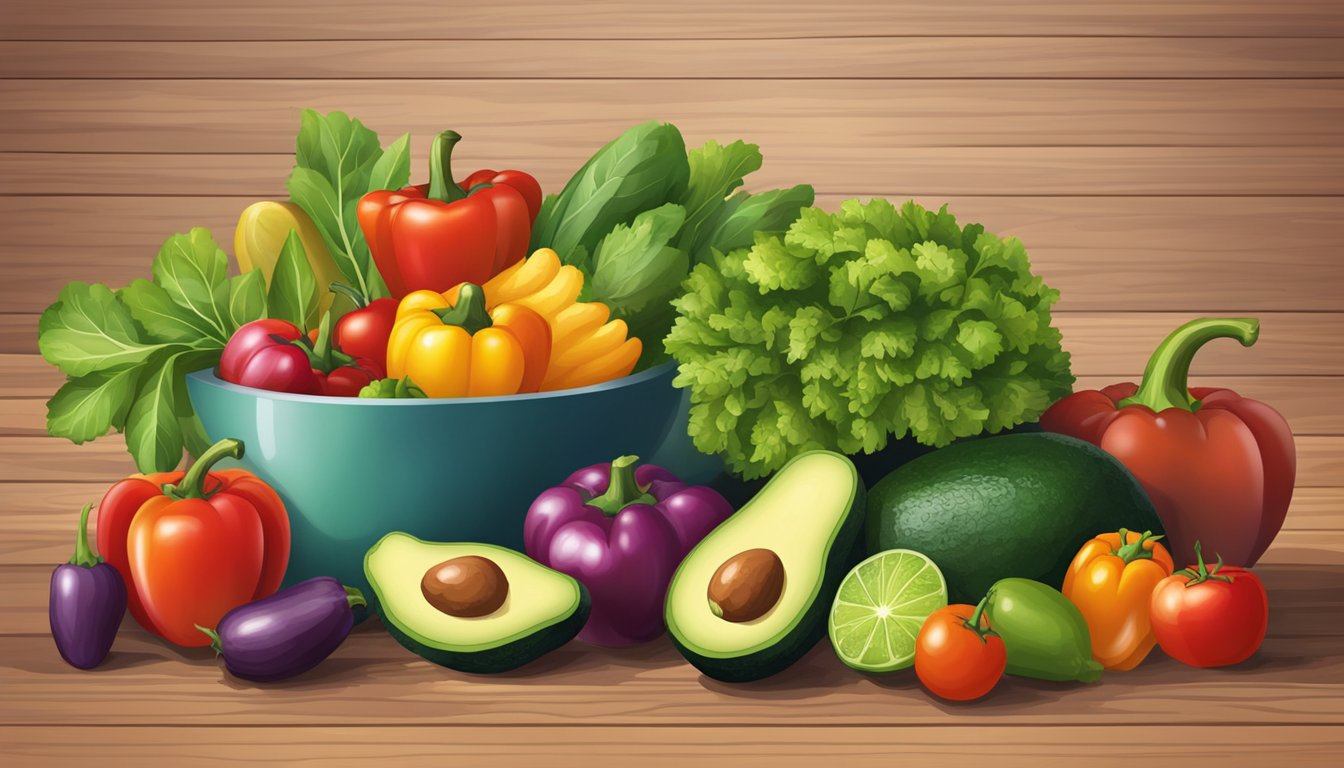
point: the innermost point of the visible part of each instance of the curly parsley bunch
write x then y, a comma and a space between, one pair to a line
855, 327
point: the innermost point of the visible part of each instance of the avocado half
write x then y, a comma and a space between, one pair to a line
810, 514
544, 609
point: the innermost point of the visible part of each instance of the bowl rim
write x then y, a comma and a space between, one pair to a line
207, 376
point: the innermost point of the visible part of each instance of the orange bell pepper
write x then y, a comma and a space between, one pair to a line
451, 346
1111, 580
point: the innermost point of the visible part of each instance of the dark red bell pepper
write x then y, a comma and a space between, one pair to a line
275, 355
362, 333
437, 235
1218, 467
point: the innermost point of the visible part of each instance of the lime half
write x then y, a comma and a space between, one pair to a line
880, 607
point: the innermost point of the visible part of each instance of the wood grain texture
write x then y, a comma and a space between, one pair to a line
514, 20
1151, 253
500, 117
831, 169
745, 747
925, 57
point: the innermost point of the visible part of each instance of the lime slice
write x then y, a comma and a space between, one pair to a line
880, 607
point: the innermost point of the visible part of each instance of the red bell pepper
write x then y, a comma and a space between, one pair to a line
193, 545
1218, 467
275, 355
437, 235
363, 332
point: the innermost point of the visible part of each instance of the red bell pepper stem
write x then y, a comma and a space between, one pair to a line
469, 313
442, 187
622, 489
192, 484
1166, 379
84, 557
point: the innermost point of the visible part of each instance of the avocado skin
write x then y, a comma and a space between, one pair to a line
1010, 506
505, 657
845, 553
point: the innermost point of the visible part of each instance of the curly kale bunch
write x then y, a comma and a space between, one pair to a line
855, 327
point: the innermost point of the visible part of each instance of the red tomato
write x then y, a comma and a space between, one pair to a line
1210, 617
956, 656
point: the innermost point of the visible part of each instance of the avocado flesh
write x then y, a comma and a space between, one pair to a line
809, 515
544, 609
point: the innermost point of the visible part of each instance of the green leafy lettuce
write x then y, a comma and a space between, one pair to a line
851, 328
643, 210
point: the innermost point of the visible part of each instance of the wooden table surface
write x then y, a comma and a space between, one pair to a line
1161, 160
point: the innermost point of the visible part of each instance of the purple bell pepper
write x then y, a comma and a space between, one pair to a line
87, 603
621, 531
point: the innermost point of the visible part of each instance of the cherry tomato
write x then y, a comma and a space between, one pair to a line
1210, 617
957, 657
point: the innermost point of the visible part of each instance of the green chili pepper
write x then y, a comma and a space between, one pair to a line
1045, 634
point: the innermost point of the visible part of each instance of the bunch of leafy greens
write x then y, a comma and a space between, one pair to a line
642, 211
852, 328
125, 353
337, 161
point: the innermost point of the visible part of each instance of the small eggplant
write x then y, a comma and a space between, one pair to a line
287, 633
88, 601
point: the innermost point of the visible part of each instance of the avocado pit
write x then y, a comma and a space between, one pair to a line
467, 586
747, 585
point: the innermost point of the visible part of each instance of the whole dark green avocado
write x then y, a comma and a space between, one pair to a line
1009, 506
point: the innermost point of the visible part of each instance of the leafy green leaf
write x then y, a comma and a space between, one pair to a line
641, 169
338, 161
87, 407
153, 433
89, 329
293, 294
247, 298
635, 264
715, 171
735, 223
193, 272
165, 319
392, 170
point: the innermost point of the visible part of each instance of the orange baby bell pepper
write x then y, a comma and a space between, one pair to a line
1111, 580
454, 347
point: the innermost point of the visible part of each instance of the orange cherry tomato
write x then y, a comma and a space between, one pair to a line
957, 656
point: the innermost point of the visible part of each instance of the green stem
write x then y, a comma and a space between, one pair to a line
973, 623
84, 557
350, 293
192, 485
354, 597
1202, 572
1131, 551
323, 354
214, 638
622, 489
469, 312
1165, 380
441, 184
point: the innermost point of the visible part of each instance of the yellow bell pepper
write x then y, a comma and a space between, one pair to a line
587, 347
261, 233
455, 347
1111, 580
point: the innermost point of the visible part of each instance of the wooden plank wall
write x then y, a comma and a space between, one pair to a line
1161, 160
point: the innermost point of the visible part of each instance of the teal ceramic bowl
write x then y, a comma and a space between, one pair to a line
350, 470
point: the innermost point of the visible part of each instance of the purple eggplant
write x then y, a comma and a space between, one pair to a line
288, 633
621, 531
88, 601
